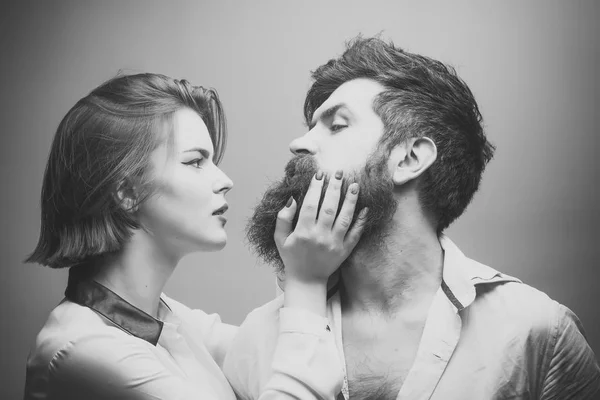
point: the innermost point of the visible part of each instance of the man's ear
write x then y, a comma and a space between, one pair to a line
125, 196
412, 158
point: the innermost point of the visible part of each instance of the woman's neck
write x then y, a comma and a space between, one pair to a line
138, 273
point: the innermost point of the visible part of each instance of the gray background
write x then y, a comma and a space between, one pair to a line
532, 66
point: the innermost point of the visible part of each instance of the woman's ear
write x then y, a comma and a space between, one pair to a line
411, 158
125, 196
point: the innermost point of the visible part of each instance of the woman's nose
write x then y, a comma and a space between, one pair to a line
224, 184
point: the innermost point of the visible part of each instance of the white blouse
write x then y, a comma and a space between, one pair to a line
95, 345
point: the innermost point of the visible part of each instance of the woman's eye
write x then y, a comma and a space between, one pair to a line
196, 163
337, 127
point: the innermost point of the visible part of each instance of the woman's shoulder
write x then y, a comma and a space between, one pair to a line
78, 346
69, 328
77, 343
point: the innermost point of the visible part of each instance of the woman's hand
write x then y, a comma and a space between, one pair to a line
320, 242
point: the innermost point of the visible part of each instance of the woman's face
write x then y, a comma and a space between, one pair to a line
187, 211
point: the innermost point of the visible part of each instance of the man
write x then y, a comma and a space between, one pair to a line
413, 317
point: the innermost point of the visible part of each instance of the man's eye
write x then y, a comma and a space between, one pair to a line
196, 163
337, 127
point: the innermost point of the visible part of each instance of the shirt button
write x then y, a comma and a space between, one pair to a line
327, 328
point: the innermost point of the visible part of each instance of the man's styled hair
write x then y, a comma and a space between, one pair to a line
104, 142
422, 98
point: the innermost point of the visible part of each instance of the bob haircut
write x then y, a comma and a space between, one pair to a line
104, 142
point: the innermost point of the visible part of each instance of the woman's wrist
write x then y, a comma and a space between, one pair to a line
307, 295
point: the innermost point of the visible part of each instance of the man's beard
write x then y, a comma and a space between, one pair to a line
376, 193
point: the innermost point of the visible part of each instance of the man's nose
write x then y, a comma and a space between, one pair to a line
304, 145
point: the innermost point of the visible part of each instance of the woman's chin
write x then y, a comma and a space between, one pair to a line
220, 246
213, 245
204, 243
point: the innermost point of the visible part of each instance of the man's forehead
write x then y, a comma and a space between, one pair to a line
353, 94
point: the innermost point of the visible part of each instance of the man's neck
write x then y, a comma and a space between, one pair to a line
402, 272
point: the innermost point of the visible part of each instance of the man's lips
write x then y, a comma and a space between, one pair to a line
221, 210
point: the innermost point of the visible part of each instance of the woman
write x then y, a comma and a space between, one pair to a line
131, 186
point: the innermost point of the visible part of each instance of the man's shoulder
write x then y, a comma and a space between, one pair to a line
516, 298
522, 320
514, 301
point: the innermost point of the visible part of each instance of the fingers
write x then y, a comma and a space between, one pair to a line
353, 234
344, 219
285, 218
331, 201
308, 212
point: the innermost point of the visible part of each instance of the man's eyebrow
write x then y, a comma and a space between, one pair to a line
328, 113
203, 152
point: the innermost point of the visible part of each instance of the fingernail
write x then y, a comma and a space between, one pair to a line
338, 174
364, 211
319, 175
354, 188
289, 202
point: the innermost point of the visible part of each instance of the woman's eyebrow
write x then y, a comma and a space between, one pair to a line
203, 152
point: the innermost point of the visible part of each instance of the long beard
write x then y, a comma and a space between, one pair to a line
376, 193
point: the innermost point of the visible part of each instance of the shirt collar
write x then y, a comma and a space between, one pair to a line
89, 293
461, 275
